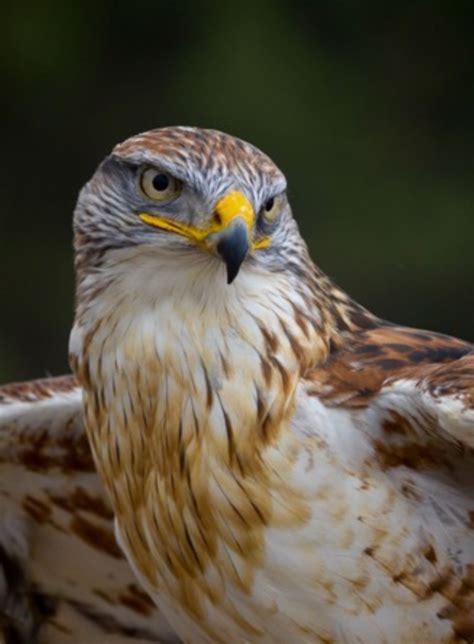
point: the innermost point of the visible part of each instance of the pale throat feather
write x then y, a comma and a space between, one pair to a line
188, 385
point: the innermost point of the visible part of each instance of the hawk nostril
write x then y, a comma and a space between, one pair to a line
217, 218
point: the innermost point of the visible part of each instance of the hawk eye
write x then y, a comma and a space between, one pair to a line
271, 208
160, 182
269, 204
159, 186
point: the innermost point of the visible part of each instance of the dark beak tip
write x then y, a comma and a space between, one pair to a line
231, 275
233, 248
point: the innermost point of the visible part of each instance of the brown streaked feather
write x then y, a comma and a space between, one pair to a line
414, 427
454, 379
63, 578
35, 390
370, 359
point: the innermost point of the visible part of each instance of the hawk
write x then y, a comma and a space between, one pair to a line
281, 464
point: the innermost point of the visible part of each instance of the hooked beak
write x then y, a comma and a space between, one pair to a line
230, 232
236, 218
233, 247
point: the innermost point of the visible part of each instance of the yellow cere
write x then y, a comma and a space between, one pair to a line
233, 205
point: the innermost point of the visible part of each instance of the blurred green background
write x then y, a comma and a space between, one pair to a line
367, 106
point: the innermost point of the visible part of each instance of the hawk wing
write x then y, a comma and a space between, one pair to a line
62, 576
395, 408
427, 379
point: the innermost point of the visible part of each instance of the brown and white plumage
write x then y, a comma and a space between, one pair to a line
63, 579
283, 466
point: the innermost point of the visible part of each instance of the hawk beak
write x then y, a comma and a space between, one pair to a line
230, 233
233, 247
234, 219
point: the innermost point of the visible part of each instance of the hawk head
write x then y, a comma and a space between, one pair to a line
187, 195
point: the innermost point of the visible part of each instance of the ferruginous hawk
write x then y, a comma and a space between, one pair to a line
283, 466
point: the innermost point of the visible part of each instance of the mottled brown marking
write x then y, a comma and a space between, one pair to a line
455, 379
80, 499
295, 346
463, 627
96, 536
225, 365
361, 318
270, 338
266, 370
357, 371
261, 408
209, 151
94, 504
390, 364
300, 318
103, 595
285, 376
137, 600
108, 624
460, 607
37, 389
209, 391
416, 456
60, 627
36, 508
397, 425
410, 491
230, 437
266, 427
430, 554
42, 451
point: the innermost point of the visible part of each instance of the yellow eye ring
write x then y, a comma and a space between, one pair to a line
271, 208
158, 185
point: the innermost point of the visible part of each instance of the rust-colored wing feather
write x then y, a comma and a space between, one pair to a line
417, 386
374, 359
62, 576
